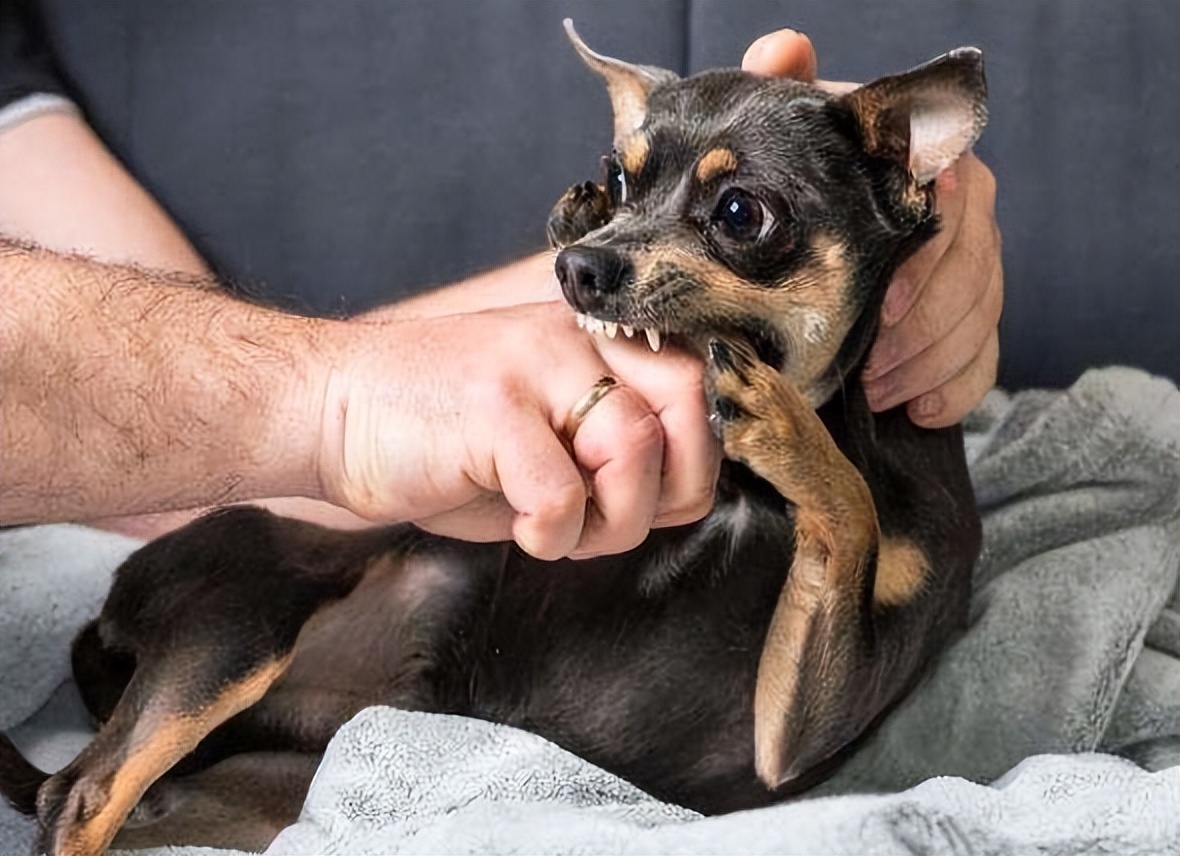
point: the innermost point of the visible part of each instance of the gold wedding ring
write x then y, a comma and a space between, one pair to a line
585, 404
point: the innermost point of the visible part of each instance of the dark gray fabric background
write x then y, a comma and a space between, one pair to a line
336, 155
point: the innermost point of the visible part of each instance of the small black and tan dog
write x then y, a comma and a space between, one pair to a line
721, 665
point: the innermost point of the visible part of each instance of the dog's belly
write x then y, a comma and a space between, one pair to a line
392, 641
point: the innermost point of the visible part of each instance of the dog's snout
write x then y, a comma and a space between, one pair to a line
590, 275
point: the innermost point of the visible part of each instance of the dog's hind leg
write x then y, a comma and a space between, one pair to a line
855, 620
210, 615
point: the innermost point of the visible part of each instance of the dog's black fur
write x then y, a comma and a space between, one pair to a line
721, 665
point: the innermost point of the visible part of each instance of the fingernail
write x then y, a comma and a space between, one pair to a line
762, 50
928, 405
875, 396
755, 52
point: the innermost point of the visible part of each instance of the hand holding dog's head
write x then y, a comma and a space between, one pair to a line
760, 208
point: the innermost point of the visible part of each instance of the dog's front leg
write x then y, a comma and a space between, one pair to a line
581, 209
835, 654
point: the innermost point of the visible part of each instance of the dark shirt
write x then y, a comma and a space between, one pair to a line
26, 64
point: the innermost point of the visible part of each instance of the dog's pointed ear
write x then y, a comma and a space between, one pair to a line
628, 85
925, 118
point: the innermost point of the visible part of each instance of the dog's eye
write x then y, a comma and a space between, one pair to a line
616, 180
742, 217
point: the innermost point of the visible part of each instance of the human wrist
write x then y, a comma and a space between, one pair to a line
336, 399
293, 364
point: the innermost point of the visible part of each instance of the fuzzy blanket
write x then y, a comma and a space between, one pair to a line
1053, 726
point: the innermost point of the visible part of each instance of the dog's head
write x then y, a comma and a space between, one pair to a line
761, 208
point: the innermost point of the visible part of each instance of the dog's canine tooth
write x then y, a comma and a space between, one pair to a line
612, 329
653, 338
628, 330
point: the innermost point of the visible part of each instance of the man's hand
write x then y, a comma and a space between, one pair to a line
455, 422
938, 346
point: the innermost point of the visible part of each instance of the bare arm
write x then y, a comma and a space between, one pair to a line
64, 191
125, 392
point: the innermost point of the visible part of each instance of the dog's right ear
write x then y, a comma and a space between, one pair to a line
927, 117
628, 85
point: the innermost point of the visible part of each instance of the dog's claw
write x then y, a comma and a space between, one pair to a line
721, 355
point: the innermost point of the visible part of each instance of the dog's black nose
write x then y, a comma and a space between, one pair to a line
589, 275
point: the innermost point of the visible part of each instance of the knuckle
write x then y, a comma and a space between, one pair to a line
563, 502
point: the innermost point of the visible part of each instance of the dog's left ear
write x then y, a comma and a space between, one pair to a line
925, 118
629, 85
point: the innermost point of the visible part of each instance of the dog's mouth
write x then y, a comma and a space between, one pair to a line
763, 339
611, 329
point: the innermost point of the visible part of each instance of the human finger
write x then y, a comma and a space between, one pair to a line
783, 53
672, 382
946, 357
952, 401
914, 273
958, 285
541, 483
619, 444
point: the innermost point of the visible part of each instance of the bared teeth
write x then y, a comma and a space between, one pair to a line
611, 329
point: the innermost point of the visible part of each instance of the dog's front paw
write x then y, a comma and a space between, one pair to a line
581, 209
753, 410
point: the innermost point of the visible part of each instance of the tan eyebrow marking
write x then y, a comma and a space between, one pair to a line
714, 163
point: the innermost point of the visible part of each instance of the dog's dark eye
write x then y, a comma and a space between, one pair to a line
616, 180
742, 217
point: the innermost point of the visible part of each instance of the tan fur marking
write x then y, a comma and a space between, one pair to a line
810, 309
169, 737
633, 153
715, 163
901, 572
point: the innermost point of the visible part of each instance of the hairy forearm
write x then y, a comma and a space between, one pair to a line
122, 392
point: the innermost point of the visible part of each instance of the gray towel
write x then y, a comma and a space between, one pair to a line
1073, 650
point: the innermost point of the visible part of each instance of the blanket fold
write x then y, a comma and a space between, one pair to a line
1011, 744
